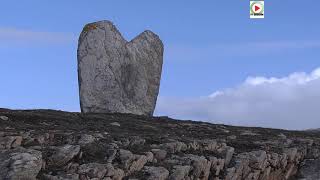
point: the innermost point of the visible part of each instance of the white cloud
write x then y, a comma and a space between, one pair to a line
290, 102
28, 36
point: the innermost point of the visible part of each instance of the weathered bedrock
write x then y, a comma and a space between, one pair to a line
116, 75
56, 145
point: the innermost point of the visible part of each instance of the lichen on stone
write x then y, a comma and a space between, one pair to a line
90, 27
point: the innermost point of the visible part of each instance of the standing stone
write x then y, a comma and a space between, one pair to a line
116, 75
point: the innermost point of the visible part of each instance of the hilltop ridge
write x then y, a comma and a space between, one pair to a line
48, 144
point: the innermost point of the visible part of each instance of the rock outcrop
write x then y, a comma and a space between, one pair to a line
55, 145
116, 75
20, 163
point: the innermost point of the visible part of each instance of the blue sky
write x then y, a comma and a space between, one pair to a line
210, 46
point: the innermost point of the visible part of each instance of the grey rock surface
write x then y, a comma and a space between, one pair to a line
61, 177
310, 169
64, 154
87, 146
4, 118
180, 172
20, 163
116, 75
9, 142
159, 173
86, 139
93, 170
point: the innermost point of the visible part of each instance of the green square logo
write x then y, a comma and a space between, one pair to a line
256, 9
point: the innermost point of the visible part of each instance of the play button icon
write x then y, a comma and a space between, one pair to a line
256, 9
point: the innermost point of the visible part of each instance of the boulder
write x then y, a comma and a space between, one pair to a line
217, 165
118, 174
159, 154
179, 172
228, 153
71, 168
114, 173
4, 118
61, 177
92, 170
172, 147
159, 173
117, 76
9, 142
149, 156
20, 163
126, 157
86, 139
200, 166
310, 169
63, 155
115, 124
137, 164
111, 150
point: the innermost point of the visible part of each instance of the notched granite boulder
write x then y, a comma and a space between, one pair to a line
117, 76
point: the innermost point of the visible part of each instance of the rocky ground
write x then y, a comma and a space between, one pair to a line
56, 145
